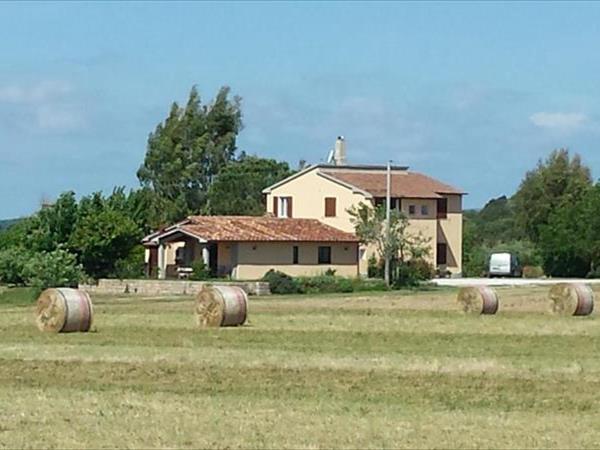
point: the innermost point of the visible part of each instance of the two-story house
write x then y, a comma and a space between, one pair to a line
325, 192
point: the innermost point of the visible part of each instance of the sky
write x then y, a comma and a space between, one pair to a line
471, 93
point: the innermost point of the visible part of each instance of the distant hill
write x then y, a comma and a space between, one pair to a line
4, 224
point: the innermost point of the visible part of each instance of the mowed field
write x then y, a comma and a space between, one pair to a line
355, 371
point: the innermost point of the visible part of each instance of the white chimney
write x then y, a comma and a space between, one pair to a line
339, 154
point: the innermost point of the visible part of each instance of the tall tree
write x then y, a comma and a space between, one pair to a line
187, 151
237, 189
559, 180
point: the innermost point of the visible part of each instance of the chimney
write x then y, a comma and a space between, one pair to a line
339, 154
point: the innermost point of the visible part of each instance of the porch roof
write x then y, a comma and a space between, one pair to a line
253, 229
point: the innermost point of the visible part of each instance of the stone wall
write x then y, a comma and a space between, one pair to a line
159, 288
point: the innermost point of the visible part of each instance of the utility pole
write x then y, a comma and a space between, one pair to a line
388, 207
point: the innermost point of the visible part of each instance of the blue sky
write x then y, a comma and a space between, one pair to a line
471, 93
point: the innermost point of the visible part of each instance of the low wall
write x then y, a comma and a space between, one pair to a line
156, 288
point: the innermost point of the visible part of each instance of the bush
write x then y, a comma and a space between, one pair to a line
58, 268
200, 271
281, 283
366, 284
406, 275
132, 266
12, 265
325, 284
375, 267
533, 272
423, 268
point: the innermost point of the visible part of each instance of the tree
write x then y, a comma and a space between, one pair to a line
397, 243
237, 189
102, 238
556, 182
187, 151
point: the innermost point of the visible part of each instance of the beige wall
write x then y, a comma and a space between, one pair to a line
255, 259
309, 192
450, 231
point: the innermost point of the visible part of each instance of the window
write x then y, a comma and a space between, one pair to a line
330, 207
324, 255
442, 208
412, 210
424, 210
442, 254
282, 206
295, 254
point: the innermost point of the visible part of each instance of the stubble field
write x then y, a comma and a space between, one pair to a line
363, 370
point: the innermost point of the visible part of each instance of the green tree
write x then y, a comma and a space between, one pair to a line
102, 238
187, 151
395, 243
560, 180
237, 189
57, 268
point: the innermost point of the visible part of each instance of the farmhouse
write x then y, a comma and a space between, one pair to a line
325, 192
246, 247
307, 228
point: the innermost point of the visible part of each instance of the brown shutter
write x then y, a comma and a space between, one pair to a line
289, 207
275, 202
330, 207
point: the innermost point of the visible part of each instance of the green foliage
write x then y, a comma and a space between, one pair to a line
325, 284
200, 271
558, 181
186, 152
57, 268
374, 268
412, 273
12, 265
103, 238
237, 189
393, 242
281, 283
132, 266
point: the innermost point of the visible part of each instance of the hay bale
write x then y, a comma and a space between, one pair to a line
571, 299
64, 310
478, 300
221, 306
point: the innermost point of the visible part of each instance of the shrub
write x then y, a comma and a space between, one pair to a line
362, 285
281, 283
423, 268
12, 265
325, 284
374, 268
200, 271
533, 272
132, 266
58, 268
406, 275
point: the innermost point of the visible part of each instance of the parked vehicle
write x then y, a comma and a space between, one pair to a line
504, 265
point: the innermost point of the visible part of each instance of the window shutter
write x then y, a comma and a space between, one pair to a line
289, 207
330, 207
275, 204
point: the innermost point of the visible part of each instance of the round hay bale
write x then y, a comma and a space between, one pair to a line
221, 306
478, 300
571, 299
64, 310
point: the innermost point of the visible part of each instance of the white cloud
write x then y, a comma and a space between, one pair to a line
41, 92
559, 121
47, 106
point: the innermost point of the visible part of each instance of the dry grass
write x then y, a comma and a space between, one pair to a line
381, 370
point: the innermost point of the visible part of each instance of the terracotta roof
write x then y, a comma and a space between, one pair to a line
404, 183
258, 229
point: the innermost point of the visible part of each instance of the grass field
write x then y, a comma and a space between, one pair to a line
380, 370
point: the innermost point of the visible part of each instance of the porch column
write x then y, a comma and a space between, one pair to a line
162, 267
206, 255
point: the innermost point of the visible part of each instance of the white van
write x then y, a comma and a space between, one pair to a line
504, 265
